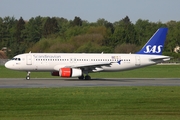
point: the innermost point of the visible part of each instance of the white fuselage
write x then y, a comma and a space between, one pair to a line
54, 61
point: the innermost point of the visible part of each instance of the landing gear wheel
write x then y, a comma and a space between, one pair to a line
81, 77
27, 77
87, 77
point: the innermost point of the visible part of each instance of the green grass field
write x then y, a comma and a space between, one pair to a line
156, 71
91, 103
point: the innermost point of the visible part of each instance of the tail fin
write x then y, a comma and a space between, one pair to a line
155, 44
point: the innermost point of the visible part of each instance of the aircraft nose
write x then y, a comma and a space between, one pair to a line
8, 65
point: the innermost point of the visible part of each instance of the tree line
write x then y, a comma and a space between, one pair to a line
59, 35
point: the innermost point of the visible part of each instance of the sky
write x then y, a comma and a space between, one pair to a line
92, 10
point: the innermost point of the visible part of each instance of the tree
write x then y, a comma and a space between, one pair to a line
173, 36
50, 26
126, 48
19, 28
17, 44
108, 25
6, 30
101, 22
124, 32
2, 32
77, 21
34, 30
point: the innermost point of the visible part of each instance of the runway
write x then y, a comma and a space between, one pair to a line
73, 82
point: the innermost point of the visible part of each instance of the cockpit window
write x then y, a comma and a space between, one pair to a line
13, 59
16, 59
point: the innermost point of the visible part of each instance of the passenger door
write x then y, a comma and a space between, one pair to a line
28, 60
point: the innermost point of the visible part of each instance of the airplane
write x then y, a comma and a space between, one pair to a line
77, 64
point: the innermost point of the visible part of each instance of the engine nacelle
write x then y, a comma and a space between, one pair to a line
67, 72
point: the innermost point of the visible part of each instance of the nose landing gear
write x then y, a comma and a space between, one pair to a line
28, 75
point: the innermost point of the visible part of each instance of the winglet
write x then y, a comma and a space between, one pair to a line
155, 44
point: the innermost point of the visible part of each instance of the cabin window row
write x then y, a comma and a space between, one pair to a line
81, 60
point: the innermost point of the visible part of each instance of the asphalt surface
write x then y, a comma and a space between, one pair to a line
73, 82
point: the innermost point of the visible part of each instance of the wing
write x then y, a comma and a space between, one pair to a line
95, 67
90, 64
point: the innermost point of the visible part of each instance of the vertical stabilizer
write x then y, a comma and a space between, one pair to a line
155, 44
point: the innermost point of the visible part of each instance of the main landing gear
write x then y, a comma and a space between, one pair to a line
28, 75
87, 77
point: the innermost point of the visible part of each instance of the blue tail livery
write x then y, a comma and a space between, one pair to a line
156, 43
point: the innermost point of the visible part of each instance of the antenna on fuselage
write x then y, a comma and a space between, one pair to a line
29, 52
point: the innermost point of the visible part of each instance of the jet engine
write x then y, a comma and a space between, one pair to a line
67, 72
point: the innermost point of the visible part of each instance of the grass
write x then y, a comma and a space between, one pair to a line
92, 103
102, 103
156, 71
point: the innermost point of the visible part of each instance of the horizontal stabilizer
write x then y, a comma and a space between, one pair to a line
160, 58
